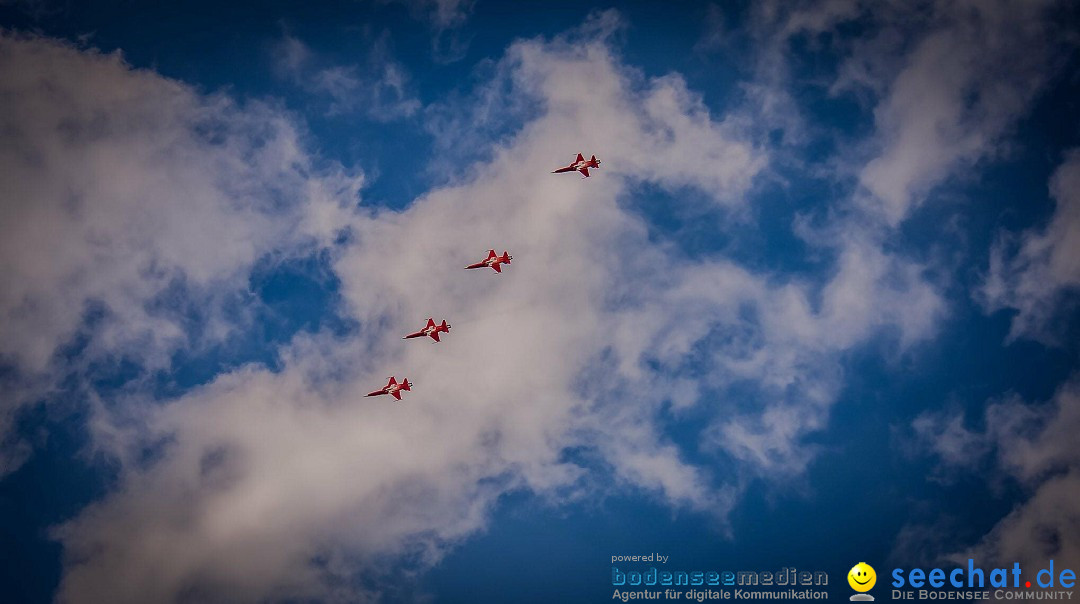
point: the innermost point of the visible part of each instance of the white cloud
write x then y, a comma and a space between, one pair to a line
446, 18
809, 17
946, 80
440, 14
1041, 275
445, 14
1043, 528
1035, 445
380, 87
121, 186
654, 130
271, 485
946, 436
973, 70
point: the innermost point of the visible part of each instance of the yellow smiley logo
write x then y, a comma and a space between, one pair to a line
862, 577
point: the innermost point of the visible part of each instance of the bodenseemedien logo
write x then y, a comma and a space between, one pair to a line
862, 578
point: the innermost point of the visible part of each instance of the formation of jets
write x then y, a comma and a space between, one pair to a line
495, 262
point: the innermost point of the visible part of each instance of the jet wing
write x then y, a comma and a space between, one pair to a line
434, 335
396, 394
584, 171
580, 157
498, 269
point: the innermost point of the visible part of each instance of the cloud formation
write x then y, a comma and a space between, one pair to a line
138, 213
961, 86
1035, 446
379, 88
1037, 272
288, 483
946, 82
131, 203
445, 18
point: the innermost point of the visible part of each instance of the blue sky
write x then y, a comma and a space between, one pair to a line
818, 305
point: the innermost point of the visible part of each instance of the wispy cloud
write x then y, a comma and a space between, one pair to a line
445, 14
122, 187
379, 88
446, 18
1033, 444
973, 71
946, 81
1035, 272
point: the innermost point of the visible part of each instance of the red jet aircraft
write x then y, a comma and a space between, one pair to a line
580, 165
493, 261
430, 330
393, 388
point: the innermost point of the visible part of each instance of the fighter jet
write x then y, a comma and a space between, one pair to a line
393, 388
580, 165
493, 261
431, 330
